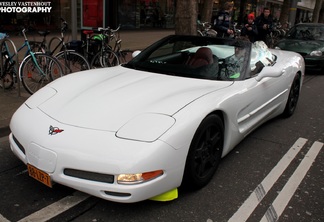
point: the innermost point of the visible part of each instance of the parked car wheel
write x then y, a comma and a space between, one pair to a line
293, 97
204, 153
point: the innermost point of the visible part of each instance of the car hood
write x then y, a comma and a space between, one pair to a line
301, 46
105, 99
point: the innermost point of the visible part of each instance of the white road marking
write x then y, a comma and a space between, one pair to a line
3, 219
281, 201
244, 212
56, 208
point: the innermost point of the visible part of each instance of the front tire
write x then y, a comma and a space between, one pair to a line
293, 97
204, 153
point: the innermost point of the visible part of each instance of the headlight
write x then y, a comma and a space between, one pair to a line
316, 53
41, 96
147, 127
137, 178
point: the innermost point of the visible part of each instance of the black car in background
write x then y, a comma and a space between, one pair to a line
306, 39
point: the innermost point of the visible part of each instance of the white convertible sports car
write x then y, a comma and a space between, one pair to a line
140, 130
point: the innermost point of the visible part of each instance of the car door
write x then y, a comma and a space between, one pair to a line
260, 100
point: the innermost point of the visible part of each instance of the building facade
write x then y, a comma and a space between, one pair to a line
135, 14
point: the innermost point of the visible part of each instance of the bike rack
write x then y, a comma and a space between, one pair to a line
15, 58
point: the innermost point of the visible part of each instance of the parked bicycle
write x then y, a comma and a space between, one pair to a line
40, 46
124, 55
204, 29
7, 73
35, 71
111, 56
105, 57
92, 45
70, 60
277, 33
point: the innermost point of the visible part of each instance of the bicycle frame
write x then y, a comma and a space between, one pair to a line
61, 40
28, 52
25, 44
60, 44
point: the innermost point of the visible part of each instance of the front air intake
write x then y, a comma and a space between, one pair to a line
86, 175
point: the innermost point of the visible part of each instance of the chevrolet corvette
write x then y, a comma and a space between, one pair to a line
163, 120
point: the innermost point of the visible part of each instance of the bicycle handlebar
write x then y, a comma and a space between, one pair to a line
108, 29
23, 32
117, 29
64, 25
101, 29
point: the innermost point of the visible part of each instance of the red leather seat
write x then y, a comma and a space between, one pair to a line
202, 57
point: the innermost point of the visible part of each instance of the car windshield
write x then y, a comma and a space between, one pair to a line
304, 32
196, 57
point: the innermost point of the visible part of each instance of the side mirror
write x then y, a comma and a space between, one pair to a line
269, 73
135, 53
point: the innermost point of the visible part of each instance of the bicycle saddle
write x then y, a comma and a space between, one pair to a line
44, 33
87, 32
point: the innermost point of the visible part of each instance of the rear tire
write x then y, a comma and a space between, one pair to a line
204, 153
293, 97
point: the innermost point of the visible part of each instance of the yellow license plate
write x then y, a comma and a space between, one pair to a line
39, 175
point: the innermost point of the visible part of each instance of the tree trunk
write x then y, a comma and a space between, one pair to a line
206, 13
317, 9
242, 12
186, 17
284, 15
321, 18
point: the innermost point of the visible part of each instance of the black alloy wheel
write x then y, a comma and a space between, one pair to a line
204, 153
293, 97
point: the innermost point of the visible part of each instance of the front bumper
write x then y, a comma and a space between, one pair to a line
96, 154
314, 63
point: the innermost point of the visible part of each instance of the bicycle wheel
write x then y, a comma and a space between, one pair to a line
71, 61
104, 59
125, 56
35, 74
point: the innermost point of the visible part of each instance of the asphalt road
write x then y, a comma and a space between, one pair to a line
276, 172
